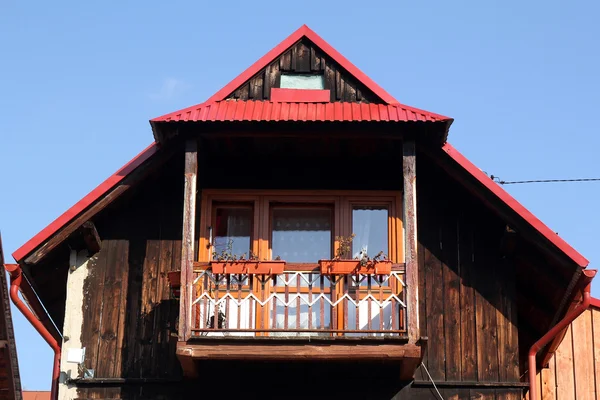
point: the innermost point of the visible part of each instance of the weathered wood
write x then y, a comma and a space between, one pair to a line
188, 237
548, 381
468, 338
305, 58
7, 335
410, 226
485, 302
149, 282
93, 291
222, 350
123, 263
109, 313
452, 310
91, 237
565, 383
506, 320
583, 359
596, 343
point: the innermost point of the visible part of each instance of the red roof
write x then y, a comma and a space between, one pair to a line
303, 31
82, 204
516, 206
250, 110
299, 111
217, 109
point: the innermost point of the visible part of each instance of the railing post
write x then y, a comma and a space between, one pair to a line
187, 239
410, 239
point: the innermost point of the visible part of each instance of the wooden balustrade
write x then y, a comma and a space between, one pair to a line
299, 302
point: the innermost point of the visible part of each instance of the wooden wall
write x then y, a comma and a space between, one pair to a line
468, 307
127, 310
574, 370
304, 57
467, 289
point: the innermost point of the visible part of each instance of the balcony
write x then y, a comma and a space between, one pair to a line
300, 314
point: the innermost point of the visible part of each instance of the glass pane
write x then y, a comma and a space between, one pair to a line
370, 224
301, 234
232, 233
302, 81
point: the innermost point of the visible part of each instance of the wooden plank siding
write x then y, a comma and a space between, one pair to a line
467, 303
305, 58
128, 313
469, 286
574, 370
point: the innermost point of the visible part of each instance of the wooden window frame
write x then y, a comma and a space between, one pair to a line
341, 203
262, 200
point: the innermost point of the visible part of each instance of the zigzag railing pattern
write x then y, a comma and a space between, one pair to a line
299, 303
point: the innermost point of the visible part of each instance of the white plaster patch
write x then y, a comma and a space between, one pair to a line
78, 272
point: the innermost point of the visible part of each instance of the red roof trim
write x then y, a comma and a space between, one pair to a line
595, 302
516, 206
94, 195
236, 110
300, 95
303, 31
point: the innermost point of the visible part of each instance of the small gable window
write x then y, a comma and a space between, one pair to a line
302, 81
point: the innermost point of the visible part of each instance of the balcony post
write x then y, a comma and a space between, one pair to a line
410, 239
187, 239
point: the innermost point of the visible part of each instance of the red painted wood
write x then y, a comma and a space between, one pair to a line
300, 95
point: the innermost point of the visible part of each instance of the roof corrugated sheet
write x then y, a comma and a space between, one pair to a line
250, 110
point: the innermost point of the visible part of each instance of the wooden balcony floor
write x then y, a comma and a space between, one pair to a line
297, 348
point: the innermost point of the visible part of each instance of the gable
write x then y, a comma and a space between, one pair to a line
306, 58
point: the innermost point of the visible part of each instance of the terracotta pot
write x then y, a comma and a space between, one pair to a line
248, 267
345, 267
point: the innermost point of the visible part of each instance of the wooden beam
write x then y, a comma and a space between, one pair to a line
132, 178
410, 239
187, 248
307, 351
91, 238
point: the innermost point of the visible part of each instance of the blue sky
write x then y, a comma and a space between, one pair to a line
80, 80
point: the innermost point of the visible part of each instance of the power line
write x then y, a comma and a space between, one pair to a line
501, 182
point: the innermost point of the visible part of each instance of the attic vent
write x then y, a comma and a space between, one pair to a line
302, 81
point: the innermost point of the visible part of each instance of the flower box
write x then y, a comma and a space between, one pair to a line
345, 267
248, 267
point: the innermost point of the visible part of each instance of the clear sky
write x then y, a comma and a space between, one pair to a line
79, 81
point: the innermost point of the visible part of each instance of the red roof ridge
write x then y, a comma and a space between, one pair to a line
303, 31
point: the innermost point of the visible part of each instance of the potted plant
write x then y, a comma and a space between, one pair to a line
225, 262
363, 264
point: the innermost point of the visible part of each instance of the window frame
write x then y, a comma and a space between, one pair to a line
342, 203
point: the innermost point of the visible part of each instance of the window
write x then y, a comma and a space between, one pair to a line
298, 226
301, 228
302, 81
233, 230
301, 235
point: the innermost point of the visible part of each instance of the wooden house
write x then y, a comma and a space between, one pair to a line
300, 234
10, 380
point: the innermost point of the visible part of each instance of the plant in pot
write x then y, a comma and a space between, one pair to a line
342, 264
227, 262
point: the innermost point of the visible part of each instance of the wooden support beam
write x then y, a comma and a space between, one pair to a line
187, 239
91, 238
228, 350
410, 239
